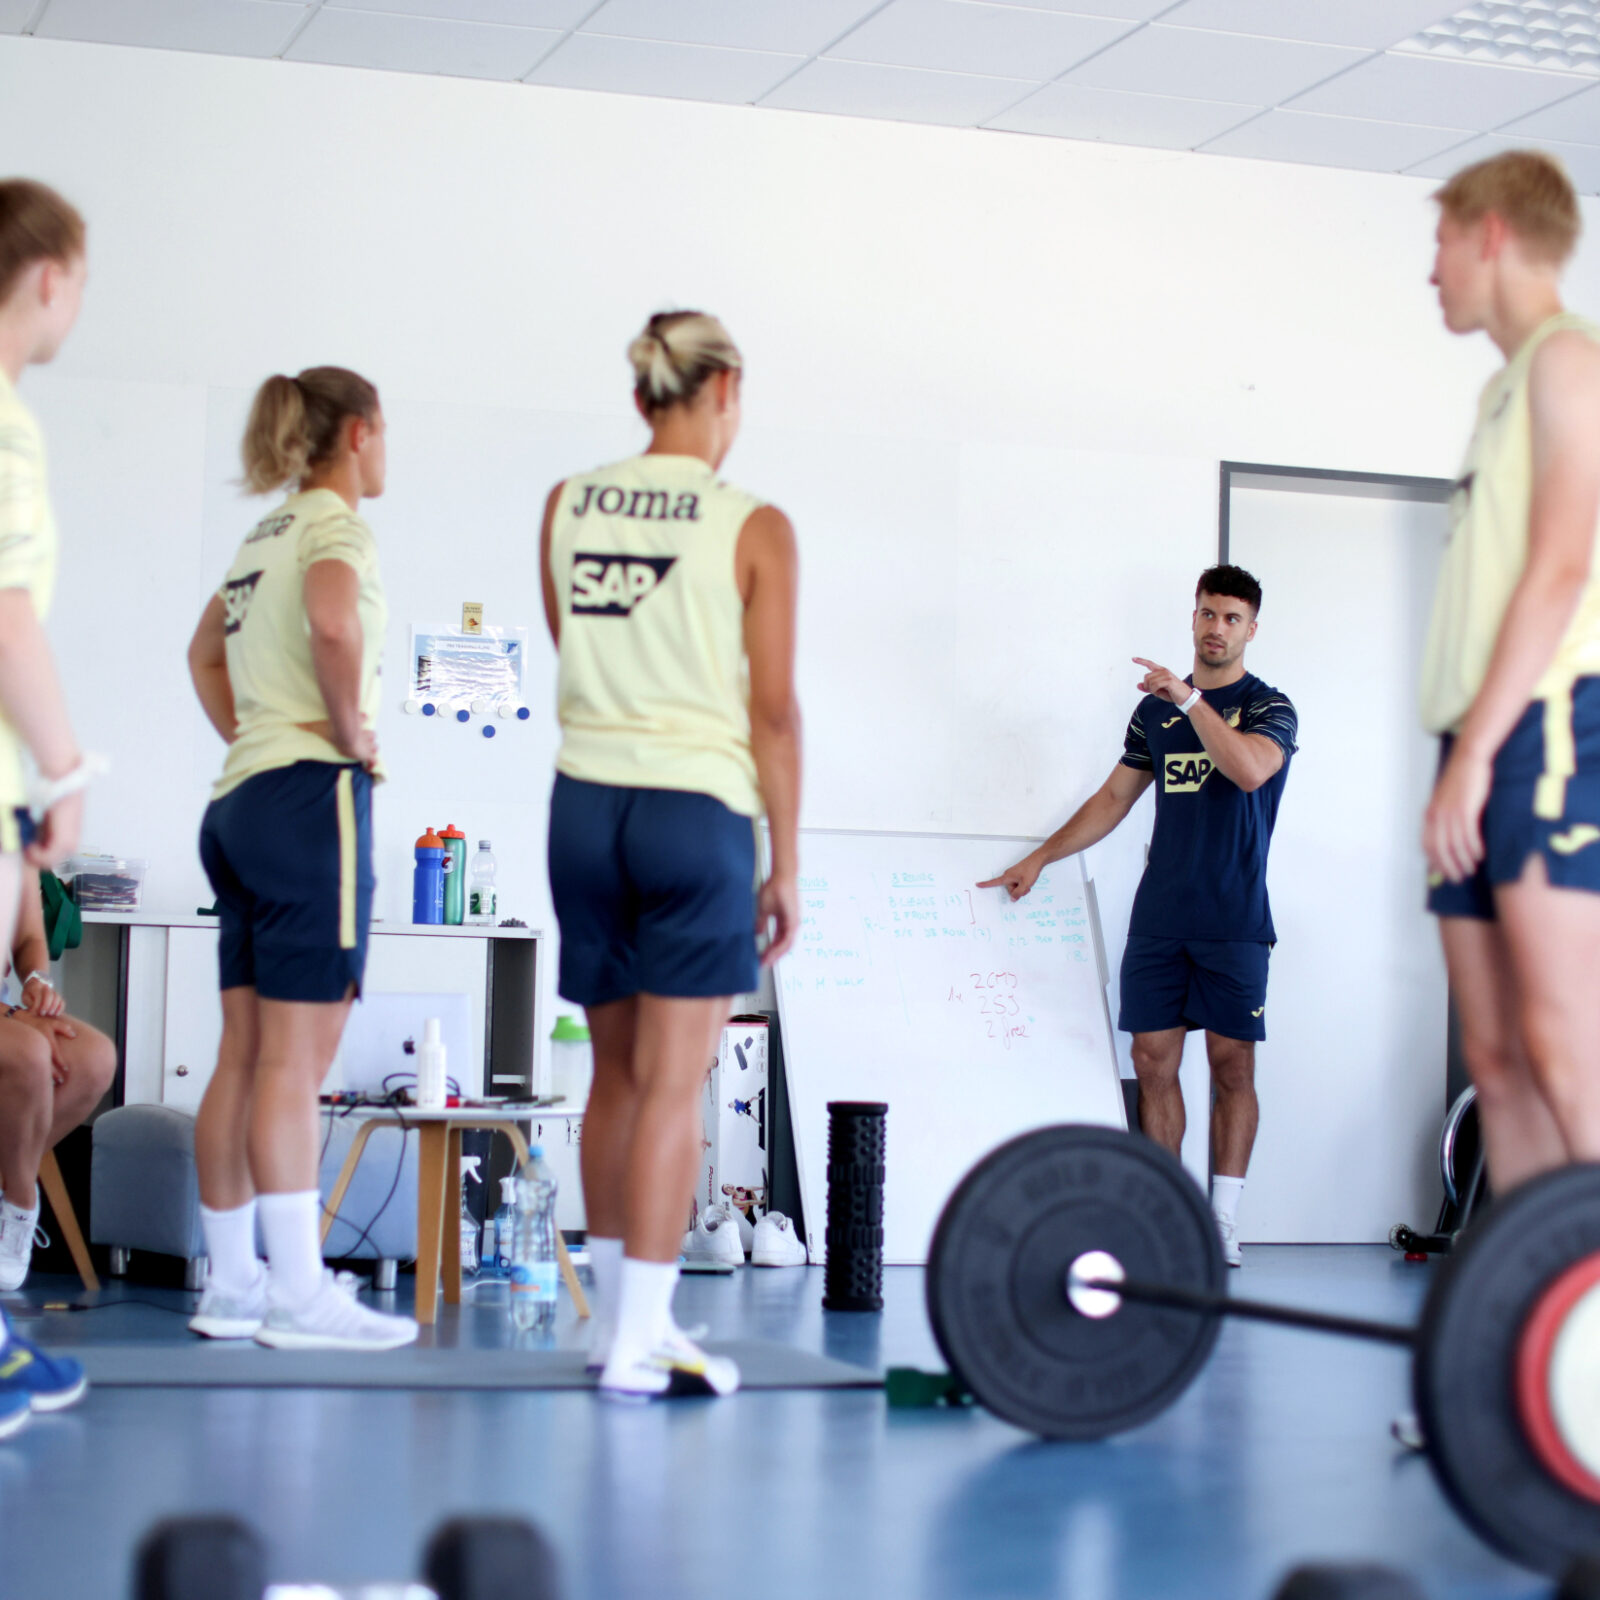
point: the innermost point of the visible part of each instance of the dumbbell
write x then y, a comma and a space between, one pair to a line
1076, 1287
222, 1558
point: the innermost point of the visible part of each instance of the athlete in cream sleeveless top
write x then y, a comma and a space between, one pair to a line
1488, 550
653, 691
275, 689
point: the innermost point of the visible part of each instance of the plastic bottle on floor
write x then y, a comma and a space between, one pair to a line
535, 1263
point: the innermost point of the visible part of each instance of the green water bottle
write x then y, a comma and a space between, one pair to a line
455, 875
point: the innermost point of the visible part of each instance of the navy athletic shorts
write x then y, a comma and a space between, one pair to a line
1544, 800
654, 890
289, 854
1216, 984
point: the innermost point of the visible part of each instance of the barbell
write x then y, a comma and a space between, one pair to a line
1076, 1286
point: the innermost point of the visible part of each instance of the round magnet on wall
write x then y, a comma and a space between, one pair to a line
429, 708
463, 715
412, 707
488, 730
523, 713
480, 708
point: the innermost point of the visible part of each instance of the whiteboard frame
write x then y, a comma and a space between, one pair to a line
1091, 901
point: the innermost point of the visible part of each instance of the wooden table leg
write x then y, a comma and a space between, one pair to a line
569, 1273
346, 1173
432, 1158
452, 1220
55, 1191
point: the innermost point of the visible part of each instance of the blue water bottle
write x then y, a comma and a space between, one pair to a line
427, 883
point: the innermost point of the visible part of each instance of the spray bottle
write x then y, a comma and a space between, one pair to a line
469, 1221
505, 1226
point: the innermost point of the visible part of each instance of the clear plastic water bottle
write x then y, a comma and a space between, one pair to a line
480, 885
534, 1262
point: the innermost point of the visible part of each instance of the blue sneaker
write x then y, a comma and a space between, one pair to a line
45, 1382
15, 1409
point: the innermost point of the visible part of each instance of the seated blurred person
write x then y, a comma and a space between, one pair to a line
53, 1073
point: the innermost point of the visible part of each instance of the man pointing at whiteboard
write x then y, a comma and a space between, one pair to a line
1217, 746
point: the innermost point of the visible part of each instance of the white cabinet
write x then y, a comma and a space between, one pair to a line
192, 1016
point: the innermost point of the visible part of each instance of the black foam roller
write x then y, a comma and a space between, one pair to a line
490, 1558
200, 1558
853, 1280
1350, 1581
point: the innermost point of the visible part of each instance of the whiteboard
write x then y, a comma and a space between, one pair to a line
974, 1018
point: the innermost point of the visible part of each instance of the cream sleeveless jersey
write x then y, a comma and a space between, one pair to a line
275, 686
654, 686
1488, 549
27, 561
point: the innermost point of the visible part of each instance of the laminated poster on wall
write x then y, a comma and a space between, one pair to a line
468, 676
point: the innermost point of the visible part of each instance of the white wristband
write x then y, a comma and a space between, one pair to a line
40, 976
1189, 704
48, 794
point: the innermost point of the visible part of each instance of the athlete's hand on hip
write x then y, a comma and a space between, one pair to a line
1452, 830
777, 917
362, 748
57, 836
1162, 684
1017, 880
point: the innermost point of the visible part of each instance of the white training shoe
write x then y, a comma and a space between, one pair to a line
715, 1237
747, 1232
776, 1243
1230, 1241
676, 1368
17, 1229
333, 1319
225, 1313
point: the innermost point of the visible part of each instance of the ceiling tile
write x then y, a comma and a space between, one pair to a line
1582, 161
1367, 24
1575, 119
1213, 66
676, 71
1322, 141
788, 26
14, 14
898, 94
1438, 93
421, 44
219, 27
1131, 10
964, 36
508, 13
1069, 111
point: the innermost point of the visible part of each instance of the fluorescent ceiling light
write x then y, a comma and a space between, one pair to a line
1559, 35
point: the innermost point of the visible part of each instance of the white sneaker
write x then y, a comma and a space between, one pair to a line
333, 1319
603, 1334
747, 1232
17, 1229
776, 1243
676, 1368
715, 1237
225, 1313
1230, 1242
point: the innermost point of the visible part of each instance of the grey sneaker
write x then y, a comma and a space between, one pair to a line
17, 1231
333, 1319
225, 1313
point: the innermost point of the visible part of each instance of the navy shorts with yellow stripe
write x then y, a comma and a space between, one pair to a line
1544, 800
289, 855
654, 890
1216, 984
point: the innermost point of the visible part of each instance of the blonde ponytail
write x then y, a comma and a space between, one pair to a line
295, 424
675, 354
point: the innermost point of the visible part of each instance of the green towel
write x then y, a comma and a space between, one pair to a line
63, 922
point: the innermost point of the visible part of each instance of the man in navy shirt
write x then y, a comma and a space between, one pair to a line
1217, 746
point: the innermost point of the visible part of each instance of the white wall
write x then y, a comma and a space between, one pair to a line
989, 376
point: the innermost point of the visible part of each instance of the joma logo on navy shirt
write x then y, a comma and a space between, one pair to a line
611, 586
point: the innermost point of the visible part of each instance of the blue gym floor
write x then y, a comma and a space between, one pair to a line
1279, 1453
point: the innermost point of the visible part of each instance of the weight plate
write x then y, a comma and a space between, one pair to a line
997, 1280
1557, 1422
1464, 1379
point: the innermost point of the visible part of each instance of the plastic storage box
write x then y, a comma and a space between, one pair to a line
106, 883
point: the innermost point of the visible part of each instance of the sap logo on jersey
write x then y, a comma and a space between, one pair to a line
611, 586
1185, 774
237, 594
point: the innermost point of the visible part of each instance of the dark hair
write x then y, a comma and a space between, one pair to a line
1234, 582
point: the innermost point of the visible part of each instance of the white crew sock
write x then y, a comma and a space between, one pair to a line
644, 1307
1225, 1194
20, 1215
294, 1251
605, 1262
231, 1245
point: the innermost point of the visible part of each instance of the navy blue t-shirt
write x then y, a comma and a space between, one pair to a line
1207, 873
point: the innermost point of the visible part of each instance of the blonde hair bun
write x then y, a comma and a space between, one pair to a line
674, 355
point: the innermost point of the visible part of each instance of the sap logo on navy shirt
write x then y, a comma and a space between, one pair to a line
649, 505
1186, 774
611, 586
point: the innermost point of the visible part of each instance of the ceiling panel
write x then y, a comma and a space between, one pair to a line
1131, 10
509, 13
1212, 66
1400, 88
14, 14
1575, 120
1069, 111
1582, 161
652, 66
1336, 141
219, 27
963, 36
796, 27
1371, 24
421, 44
898, 94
